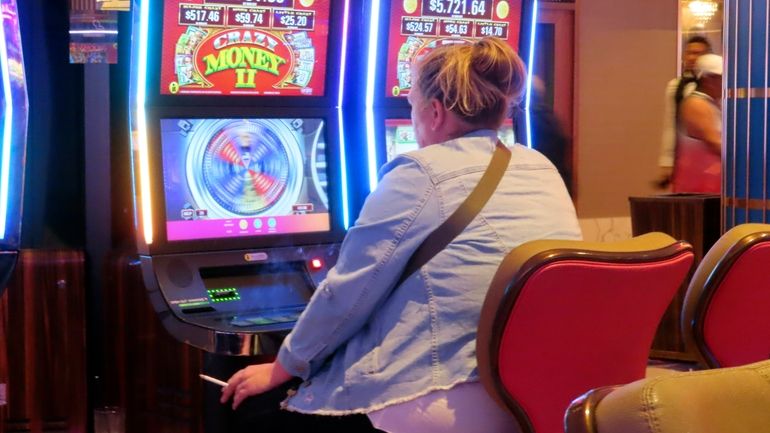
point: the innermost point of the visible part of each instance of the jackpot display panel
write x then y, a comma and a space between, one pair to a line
401, 32
416, 28
239, 167
13, 127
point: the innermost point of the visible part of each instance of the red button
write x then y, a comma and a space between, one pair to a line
316, 264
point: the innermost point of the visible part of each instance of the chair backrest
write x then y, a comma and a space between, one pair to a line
726, 312
725, 400
563, 317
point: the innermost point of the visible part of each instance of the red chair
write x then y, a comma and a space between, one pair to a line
563, 317
726, 313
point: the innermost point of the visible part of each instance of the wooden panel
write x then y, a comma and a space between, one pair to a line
693, 218
153, 376
42, 349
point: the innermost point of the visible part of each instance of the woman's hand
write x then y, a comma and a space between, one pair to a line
253, 380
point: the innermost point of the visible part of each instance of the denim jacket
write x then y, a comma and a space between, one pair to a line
363, 344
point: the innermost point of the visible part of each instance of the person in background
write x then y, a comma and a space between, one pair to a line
698, 163
404, 354
548, 134
676, 90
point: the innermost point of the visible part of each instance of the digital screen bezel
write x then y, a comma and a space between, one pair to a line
331, 79
161, 244
390, 24
379, 82
185, 140
14, 130
397, 107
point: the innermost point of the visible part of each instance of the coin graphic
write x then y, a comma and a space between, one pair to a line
410, 6
502, 10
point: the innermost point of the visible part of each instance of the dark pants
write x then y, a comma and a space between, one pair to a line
262, 414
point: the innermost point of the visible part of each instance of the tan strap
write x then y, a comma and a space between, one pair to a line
463, 215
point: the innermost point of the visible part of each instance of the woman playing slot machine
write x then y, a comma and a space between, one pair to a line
403, 353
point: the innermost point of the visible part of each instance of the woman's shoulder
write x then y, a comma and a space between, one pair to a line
408, 164
464, 153
429, 160
523, 156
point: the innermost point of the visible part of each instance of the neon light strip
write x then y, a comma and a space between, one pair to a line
343, 57
340, 98
7, 132
141, 121
530, 68
374, 30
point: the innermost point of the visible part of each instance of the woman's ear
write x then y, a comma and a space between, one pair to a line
438, 115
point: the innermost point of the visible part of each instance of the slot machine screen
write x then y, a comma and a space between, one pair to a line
419, 26
227, 178
400, 138
244, 47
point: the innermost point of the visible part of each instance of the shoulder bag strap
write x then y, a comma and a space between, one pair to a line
459, 220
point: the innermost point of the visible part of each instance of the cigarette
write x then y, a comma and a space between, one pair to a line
213, 380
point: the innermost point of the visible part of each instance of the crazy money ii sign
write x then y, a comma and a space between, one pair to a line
234, 58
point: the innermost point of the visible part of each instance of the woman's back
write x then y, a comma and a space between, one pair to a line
421, 337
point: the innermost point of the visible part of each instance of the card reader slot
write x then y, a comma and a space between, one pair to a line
198, 310
292, 267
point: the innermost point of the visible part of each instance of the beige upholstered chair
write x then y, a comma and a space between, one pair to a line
726, 400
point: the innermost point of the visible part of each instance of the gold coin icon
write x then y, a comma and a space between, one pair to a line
410, 6
502, 10
306, 3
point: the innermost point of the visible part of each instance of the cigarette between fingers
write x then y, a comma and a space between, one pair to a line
213, 380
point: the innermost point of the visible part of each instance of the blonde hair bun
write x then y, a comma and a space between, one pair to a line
478, 82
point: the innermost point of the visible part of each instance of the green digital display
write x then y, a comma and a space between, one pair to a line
227, 294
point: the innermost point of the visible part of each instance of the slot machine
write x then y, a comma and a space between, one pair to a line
403, 31
239, 163
14, 137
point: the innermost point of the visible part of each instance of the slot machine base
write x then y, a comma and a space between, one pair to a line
235, 302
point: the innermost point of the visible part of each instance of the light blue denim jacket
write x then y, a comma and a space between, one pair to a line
363, 344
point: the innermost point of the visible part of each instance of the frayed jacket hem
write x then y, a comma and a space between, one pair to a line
286, 405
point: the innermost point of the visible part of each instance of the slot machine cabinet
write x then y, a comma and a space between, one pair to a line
401, 32
239, 166
13, 125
